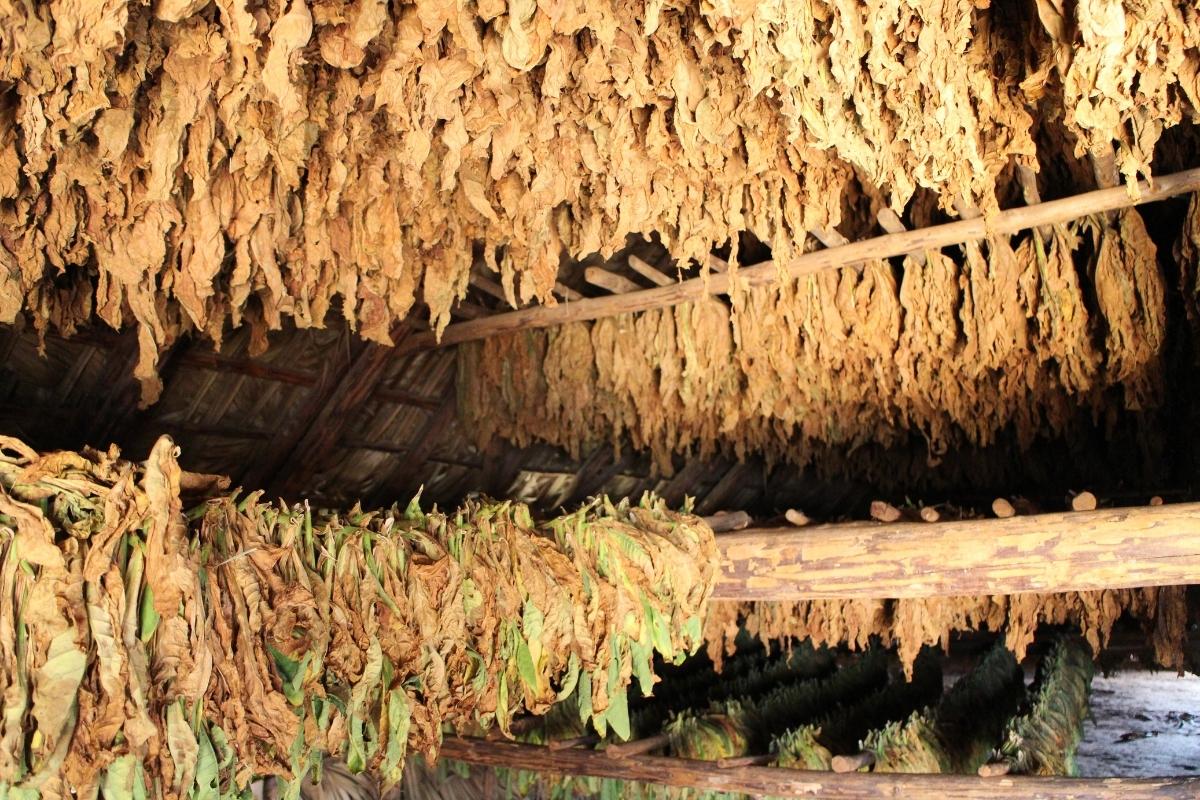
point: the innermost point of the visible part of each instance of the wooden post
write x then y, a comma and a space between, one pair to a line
1117, 548
934, 237
778, 782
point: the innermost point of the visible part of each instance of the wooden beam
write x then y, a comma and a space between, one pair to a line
1117, 548
488, 286
889, 245
243, 366
566, 292
468, 310
891, 222
778, 782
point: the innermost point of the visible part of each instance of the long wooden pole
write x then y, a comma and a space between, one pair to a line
934, 237
1073, 551
777, 782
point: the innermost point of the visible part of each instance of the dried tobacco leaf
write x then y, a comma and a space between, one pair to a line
957, 352
186, 166
150, 653
914, 623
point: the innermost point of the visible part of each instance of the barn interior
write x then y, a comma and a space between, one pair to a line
624, 399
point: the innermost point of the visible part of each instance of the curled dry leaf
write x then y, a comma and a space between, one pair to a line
186, 166
958, 352
913, 623
156, 653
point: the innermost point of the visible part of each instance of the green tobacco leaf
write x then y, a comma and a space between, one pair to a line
54, 686
399, 717
618, 714
208, 778
149, 616
124, 780
525, 666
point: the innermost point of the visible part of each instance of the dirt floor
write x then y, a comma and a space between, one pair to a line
1143, 724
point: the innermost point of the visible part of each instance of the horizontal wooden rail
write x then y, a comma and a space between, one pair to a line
1117, 548
934, 237
777, 782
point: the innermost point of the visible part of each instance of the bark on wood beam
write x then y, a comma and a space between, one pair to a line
778, 782
1119, 548
935, 237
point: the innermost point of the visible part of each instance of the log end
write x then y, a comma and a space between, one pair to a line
884, 512
1002, 508
852, 763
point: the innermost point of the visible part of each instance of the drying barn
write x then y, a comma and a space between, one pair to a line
568, 399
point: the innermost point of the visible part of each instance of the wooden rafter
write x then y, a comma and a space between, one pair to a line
309, 438
405, 477
737, 778
1119, 548
889, 245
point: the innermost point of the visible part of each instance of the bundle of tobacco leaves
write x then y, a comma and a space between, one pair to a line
1043, 739
1033, 337
745, 677
746, 725
185, 165
149, 653
813, 745
913, 623
957, 735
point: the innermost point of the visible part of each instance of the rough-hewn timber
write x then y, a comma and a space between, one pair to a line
1073, 551
776, 782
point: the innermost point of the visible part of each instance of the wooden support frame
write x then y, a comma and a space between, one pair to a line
1118, 548
739, 778
889, 245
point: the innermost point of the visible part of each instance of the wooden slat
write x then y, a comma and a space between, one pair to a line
609, 281
242, 366
894, 244
649, 272
311, 436
407, 474
777, 782
891, 222
1072, 551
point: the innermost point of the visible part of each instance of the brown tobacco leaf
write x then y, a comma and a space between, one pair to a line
148, 653
184, 166
911, 624
955, 351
